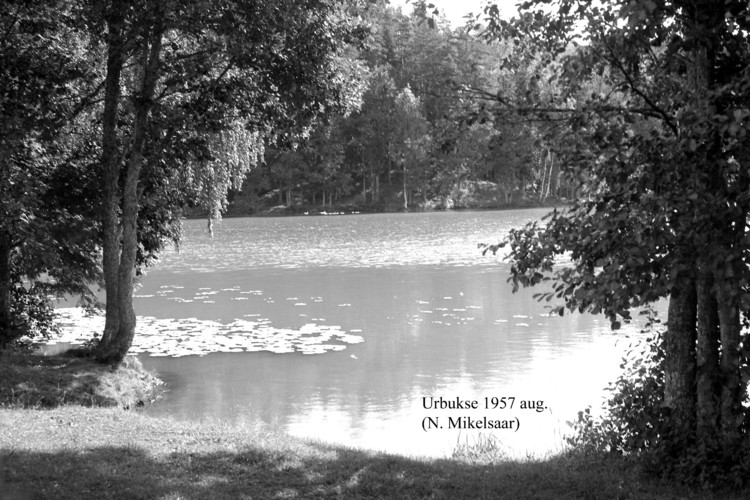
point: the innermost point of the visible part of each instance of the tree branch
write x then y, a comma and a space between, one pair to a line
660, 113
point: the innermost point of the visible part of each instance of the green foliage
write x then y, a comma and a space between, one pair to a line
47, 228
653, 97
636, 426
454, 76
32, 313
633, 423
233, 152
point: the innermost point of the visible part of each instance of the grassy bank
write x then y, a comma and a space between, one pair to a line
71, 452
33, 381
75, 452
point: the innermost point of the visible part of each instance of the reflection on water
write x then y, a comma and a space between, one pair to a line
337, 327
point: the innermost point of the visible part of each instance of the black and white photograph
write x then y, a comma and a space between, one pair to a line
375, 249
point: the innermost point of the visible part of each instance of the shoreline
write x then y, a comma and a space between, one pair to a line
342, 211
74, 452
471, 203
72, 447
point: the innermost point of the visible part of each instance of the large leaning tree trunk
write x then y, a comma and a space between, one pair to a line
120, 256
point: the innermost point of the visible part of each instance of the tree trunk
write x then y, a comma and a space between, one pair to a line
544, 176
731, 410
728, 290
116, 348
679, 346
708, 389
6, 334
111, 169
120, 343
556, 192
549, 175
406, 200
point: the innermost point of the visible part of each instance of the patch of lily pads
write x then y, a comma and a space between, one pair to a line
193, 336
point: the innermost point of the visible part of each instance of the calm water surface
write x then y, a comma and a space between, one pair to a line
337, 327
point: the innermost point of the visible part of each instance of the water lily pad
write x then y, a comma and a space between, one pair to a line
191, 336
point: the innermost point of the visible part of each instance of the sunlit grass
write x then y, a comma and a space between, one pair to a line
74, 452
63, 450
484, 449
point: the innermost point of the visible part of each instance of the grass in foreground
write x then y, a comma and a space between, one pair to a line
72, 452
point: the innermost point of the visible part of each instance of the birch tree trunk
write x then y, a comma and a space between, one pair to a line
544, 175
406, 200
549, 175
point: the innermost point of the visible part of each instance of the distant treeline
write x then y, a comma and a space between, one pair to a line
419, 137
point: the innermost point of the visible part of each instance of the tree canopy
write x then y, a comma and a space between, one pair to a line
117, 115
217, 76
46, 180
650, 119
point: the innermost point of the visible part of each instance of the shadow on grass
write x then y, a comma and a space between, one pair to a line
71, 452
35, 381
131, 472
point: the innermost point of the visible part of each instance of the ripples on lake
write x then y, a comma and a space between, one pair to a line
376, 240
336, 327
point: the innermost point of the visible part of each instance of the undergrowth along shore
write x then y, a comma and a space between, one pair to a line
53, 447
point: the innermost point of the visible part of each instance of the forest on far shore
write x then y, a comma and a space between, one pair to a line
418, 137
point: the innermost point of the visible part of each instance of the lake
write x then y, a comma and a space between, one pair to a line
385, 331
